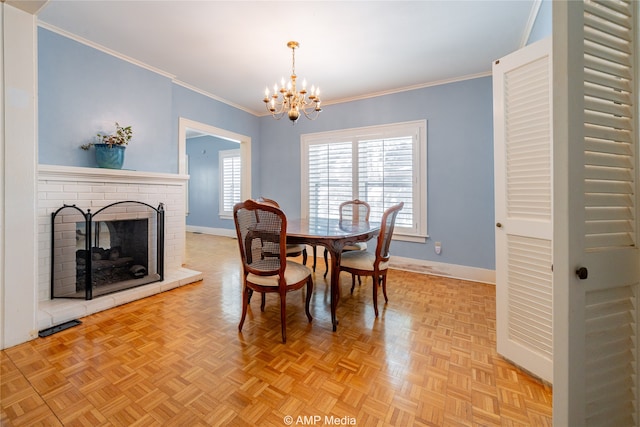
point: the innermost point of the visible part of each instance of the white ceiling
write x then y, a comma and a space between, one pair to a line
351, 49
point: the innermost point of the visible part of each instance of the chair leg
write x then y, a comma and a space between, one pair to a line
304, 256
326, 262
309, 292
245, 304
263, 301
376, 278
283, 315
250, 295
384, 287
353, 281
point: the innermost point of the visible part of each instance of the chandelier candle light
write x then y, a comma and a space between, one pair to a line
293, 102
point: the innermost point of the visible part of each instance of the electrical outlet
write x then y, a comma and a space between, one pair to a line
438, 247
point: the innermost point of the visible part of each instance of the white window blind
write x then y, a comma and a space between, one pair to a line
229, 181
330, 183
385, 176
382, 165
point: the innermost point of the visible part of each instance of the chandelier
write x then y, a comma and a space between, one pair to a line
293, 102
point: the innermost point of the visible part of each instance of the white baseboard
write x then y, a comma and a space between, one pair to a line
453, 271
210, 230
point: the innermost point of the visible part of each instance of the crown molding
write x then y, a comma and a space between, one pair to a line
212, 96
533, 15
104, 49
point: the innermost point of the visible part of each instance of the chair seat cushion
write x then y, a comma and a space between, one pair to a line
361, 260
358, 246
294, 273
294, 249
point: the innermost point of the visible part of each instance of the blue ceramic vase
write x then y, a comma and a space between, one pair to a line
109, 157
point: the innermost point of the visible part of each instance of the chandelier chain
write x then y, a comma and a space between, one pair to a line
293, 61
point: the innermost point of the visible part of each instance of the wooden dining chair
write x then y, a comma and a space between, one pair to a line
293, 250
262, 234
364, 263
351, 210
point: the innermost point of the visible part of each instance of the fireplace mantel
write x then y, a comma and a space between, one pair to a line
73, 173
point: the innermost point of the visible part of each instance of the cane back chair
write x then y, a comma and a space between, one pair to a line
293, 250
351, 210
262, 232
364, 263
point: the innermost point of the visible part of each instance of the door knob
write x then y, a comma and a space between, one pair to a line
499, 224
582, 273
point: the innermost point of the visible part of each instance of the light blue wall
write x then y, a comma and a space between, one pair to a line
82, 91
460, 163
204, 181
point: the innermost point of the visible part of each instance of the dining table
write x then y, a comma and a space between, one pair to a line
333, 234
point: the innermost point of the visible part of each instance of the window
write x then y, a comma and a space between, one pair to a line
229, 181
382, 165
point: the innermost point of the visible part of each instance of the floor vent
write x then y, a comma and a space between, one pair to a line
61, 327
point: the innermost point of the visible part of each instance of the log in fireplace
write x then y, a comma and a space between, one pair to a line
118, 247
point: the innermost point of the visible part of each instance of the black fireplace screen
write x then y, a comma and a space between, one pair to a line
118, 247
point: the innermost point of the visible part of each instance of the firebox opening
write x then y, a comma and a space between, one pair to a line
119, 255
119, 247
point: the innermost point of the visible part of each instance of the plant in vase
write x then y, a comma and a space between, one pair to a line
110, 148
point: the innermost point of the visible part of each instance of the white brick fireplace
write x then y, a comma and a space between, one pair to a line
93, 188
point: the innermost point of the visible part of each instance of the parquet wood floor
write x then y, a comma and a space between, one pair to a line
177, 359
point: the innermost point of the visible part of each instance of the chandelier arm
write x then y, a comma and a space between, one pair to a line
313, 115
277, 109
278, 115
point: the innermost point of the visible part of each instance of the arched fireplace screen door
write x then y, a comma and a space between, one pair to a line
118, 247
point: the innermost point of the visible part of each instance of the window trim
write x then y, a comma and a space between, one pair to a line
417, 128
222, 155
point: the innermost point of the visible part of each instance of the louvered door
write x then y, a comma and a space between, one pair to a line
595, 241
523, 198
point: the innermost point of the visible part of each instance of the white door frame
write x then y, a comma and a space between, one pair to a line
245, 149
